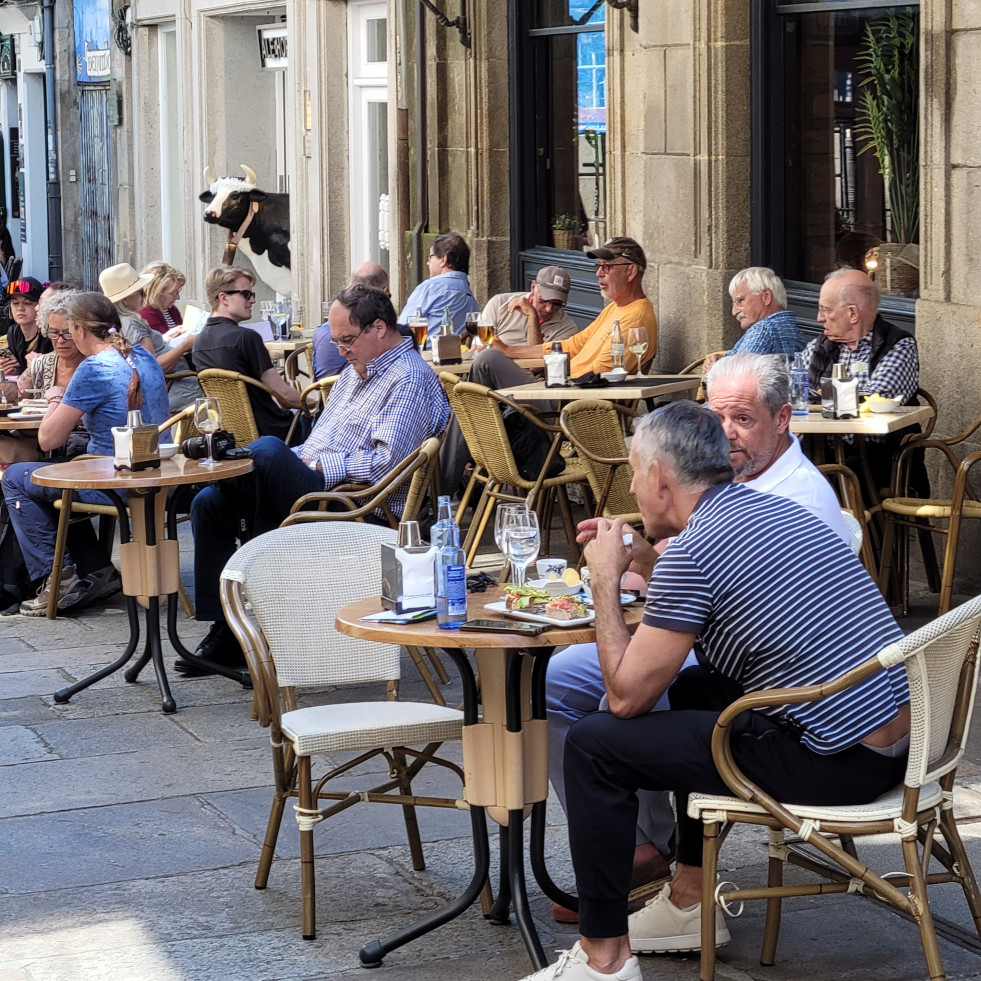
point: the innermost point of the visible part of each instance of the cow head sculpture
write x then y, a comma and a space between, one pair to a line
266, 237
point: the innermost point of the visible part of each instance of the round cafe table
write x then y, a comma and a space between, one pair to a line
505, 752
149, 561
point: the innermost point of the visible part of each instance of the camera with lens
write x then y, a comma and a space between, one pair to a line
222, 447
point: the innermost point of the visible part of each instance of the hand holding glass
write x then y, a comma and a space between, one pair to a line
207, 418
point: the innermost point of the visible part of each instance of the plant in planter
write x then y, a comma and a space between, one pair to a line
565, 231
887, 124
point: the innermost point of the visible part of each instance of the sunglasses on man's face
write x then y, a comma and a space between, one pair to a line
248, 294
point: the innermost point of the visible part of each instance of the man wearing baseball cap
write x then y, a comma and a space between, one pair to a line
535, 317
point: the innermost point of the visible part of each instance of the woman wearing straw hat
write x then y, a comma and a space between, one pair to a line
124, 286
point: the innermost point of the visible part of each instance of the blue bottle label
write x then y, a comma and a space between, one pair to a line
456, 590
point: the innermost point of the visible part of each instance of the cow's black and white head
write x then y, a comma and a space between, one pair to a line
228, 198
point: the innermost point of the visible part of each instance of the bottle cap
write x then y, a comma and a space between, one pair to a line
837, 371
134, 418
409, 534
556, 347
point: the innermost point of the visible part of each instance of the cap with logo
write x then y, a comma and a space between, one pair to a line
553, 283
620, 248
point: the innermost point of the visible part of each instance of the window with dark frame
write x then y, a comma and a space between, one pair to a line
820, 199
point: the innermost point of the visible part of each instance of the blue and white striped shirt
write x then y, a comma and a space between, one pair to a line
371, 424
776, 600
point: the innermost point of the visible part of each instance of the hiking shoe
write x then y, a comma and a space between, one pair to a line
219, 645
660, 927
573, 965
103, 582
71, 592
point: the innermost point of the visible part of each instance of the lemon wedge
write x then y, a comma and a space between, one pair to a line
553, 577
571, 578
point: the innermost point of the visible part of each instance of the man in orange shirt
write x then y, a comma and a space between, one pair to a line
620, 271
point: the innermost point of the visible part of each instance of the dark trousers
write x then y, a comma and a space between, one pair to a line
607, 759
263, 497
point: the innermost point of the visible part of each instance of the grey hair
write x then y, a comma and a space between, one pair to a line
769, 370
58, 302
757, 279
864, 294
689, 439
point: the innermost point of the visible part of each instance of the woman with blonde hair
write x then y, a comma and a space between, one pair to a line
125, 287
114, 377
161, 295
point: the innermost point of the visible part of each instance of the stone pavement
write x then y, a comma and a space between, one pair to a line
129, 841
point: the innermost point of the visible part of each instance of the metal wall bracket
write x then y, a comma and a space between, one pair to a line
459, 22
631, 6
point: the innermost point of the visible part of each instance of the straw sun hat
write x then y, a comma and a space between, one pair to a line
123, 280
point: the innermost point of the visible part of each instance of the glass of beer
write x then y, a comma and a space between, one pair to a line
420, 330
485, 331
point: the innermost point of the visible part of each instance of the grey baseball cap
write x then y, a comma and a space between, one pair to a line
553, 283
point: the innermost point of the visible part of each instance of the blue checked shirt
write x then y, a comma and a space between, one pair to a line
776, 334
370, 425
896, 376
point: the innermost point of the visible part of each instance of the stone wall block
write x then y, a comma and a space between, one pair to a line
692, 310
643, 110
965, 15
660, 188
965, 235
965, 106
678, 83
664, 22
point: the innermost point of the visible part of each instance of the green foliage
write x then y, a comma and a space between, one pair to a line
887, 114
565, 223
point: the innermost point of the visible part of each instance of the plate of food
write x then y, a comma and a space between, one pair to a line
540, 606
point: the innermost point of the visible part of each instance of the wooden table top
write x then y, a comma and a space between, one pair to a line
31, 422
97, 473
868, 423
635, 387
464, 366
428, 634
287, 347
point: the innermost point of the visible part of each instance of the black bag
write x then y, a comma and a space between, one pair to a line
530, 446
15, 582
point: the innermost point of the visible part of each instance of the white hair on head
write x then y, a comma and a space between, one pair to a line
757, 279
768, 370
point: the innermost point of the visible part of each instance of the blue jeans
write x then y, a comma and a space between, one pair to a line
266, 495
35, 522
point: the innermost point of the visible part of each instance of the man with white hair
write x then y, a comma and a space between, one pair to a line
748, 393
759, 304
728, 584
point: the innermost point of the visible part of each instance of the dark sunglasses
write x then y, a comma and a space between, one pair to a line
248, 294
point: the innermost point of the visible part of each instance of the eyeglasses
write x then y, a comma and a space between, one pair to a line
432, 255
346, 343
60, 335
605, 267
737, 301
19, 287
248, 294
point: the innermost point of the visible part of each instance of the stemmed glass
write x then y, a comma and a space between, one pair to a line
207, 418
637, 342
502, 516
522, 541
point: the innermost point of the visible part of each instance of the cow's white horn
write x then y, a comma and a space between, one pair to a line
249, 173
209, 177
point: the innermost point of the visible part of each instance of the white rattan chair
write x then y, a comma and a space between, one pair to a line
290, 643
941, 664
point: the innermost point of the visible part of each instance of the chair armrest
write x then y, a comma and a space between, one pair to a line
265, 706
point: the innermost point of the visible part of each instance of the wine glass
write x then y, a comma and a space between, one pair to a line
501, 518
522, 540
207, 418
637, 342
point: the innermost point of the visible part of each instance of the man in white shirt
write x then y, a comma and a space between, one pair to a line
749, 394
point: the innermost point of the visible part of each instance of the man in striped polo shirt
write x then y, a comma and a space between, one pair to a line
730, 585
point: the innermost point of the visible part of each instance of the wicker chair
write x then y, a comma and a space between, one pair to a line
478, 410
293, 371
595, 429
899, 509
312, 399
231, 390
293, 605
941, 663
849, 491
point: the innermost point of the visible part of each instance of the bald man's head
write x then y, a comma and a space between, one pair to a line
371, 274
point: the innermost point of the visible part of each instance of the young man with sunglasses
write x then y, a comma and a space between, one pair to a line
224, 343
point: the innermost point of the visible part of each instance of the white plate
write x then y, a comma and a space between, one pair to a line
501, 607
21, 416
555, 587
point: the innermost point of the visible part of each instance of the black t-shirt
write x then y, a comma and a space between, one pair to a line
20, 348
225, 344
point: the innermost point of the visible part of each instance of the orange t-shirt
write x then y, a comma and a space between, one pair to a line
590, 348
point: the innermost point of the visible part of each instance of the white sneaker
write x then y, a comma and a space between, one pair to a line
660, 927
573, 965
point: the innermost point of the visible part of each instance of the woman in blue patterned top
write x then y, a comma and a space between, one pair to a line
114, 377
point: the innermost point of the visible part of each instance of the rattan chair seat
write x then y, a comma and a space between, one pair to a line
888, 807
365, 725
916, 507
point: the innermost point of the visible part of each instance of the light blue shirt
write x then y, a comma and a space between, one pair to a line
451, 289
99, 388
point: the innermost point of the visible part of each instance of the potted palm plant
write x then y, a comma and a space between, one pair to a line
565, 232
887, 113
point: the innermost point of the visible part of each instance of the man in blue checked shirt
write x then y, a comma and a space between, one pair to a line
759, 304
384, 405
883, 357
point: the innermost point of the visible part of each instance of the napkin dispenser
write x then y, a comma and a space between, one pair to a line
447, 349
135, 446
408, 572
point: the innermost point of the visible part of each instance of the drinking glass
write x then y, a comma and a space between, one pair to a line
522, 540
501, 518
485, 331
420, 330
471, 320
207, 417
637, 342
